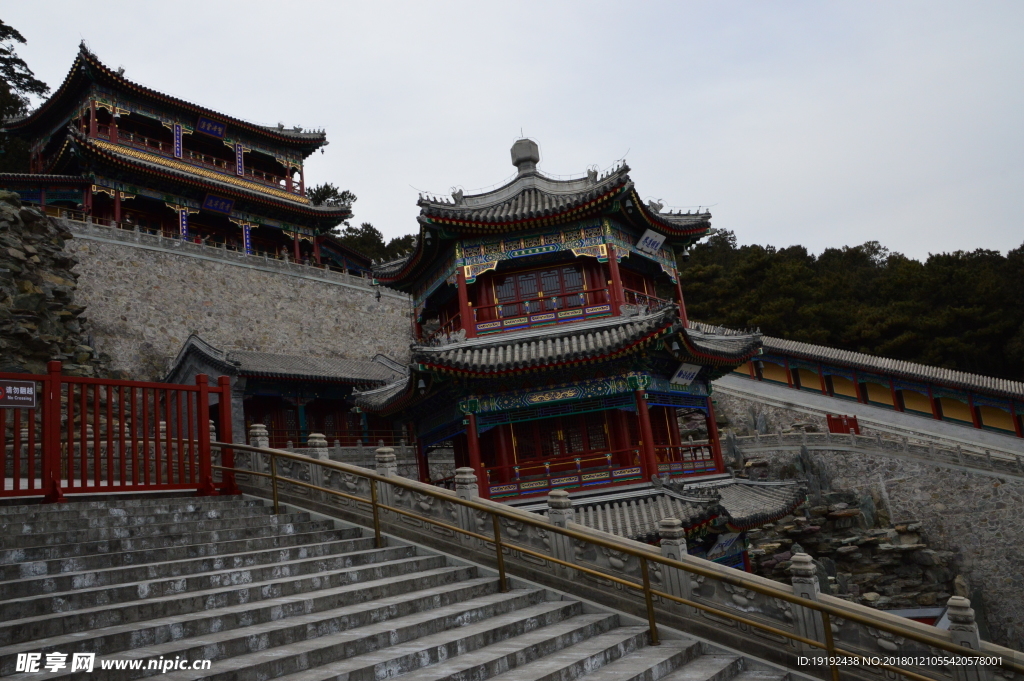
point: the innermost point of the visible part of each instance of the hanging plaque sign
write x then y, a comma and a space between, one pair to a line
685, 374
18, 394
211, 127
177, 140
650, 242
183, 222
239, 160
218, 204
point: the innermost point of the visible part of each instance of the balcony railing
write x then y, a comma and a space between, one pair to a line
542, 310
645, 301
137, 141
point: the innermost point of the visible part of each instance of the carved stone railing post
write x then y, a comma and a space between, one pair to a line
466, 488
260, 463
559, 514
387, 465
805, 585
317, 445
963, 631
673, 546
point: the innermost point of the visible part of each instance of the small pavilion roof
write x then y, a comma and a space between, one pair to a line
738, 504
87, 68
533, 200
280, 366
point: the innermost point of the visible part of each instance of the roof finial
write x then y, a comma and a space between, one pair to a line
525, 155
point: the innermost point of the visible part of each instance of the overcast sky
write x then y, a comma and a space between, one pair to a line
814, 123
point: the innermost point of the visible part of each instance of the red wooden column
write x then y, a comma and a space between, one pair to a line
821, 379
93, 125
616, 287
936, 405
465, 309
504, 454
117, 206
288, 179
674, 437
113, 126
648, 458
1015, 415
302, 181
682, 303
713, 438
975, 412
856, 389
473, 450
423, 463
895, 397
295, 245
316, 249
789, 372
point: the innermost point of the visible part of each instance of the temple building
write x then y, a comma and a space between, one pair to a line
552, 349
111, 151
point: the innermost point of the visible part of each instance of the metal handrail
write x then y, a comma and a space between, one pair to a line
495, 510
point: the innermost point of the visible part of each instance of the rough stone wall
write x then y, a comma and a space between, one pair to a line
40, 309
975, 517
143, 303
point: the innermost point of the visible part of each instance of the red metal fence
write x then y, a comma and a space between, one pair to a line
89, 435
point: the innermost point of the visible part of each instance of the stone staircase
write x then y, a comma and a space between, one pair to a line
293, 598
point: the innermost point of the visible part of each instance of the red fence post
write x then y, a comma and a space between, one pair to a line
51, 435
205, 487
227, 454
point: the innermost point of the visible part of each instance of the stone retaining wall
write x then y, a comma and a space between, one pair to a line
976, 517
144, 295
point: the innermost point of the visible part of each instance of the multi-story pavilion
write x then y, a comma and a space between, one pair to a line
119, 153
551, 346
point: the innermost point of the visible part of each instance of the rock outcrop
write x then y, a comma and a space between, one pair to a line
39, 320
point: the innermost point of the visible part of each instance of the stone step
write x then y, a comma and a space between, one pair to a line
67, 581
278, 647
759, 675
85, 562
354, 605
9, 526
708, 668
84, 598
44, 626
20, 555
649, 663
48, 512
121, 505
197, 526
500, 640
553, 658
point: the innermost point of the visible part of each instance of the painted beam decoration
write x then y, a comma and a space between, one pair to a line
210, 127
218, 204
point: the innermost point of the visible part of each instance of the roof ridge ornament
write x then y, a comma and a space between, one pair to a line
525, 155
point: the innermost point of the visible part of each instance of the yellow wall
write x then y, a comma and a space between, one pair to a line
915, 401
879, 393
775, 372
843, 386
809, 379
743, 369
996, 418
955, 409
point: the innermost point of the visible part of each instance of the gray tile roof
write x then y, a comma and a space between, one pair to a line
376, 399
516, 350
743, 504
884, 365
322, 368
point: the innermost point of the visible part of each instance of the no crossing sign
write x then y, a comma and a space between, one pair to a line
18, 394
